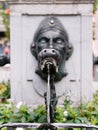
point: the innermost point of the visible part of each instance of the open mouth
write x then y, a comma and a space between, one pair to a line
49, 65
49, 61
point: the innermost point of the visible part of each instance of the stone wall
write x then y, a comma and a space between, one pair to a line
53, 1
26, 85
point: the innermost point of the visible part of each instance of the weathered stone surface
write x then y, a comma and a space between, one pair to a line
76, 16
74, 1
36, 1
53, 1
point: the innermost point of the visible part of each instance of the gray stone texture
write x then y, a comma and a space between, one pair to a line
52, 1
26, 85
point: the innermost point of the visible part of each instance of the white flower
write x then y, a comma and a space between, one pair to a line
19, 104
65, 113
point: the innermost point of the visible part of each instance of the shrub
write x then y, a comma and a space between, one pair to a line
6, 19
5, 90
84, 113
95, 6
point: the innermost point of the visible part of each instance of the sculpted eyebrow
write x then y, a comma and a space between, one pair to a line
43, 38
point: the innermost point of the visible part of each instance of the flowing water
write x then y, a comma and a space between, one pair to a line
48, 96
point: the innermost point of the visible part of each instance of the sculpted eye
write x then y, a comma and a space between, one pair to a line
59, 41
43, 40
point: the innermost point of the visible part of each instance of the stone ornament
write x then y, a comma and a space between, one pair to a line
51, 46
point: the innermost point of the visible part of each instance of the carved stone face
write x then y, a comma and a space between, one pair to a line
51, 46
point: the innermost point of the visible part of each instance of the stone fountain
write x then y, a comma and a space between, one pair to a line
52, 49
51, 23
76, 17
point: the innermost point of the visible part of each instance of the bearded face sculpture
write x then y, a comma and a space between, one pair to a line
51, 46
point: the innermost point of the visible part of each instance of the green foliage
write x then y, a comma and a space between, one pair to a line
95, 6
39, 114
6, 113
10, 113
23, 114
84, 113
0, 6
60, 114
6, 19
5, 90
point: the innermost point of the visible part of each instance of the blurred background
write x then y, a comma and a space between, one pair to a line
4, 33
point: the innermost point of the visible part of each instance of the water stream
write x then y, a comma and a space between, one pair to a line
48, 95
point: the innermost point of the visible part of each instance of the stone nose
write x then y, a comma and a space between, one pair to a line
50, 45
48, 53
